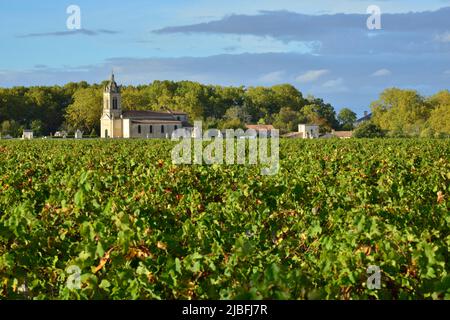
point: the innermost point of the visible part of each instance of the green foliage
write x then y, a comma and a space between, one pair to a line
405, 113
400, 113
37, 127
346, 118
368, 129
318, 112
439, 121
78, 105
287, 120
231, 124
11, 128
138, 227
86, 110
93, 134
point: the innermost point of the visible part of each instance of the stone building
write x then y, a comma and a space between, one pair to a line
117, 123
309, 131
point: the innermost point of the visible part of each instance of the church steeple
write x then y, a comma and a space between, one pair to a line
112, 104
112, 86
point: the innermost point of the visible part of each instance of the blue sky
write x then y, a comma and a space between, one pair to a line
323, 47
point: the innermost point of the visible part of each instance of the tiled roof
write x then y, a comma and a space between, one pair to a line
260, 127
293, 135
148, 115
343, 134
365, 118
156, 122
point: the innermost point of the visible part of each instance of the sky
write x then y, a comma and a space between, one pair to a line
322, 47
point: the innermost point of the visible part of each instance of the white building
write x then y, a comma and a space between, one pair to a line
309, 131
116, 123
27, 134
60, 134
78, 134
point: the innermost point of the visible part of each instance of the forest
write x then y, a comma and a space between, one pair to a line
45, 110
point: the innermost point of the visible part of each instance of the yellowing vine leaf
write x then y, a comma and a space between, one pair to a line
104, 260
161, 245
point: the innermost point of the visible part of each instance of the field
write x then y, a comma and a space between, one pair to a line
116, 220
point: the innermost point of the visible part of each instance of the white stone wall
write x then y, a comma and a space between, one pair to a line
118, 132
309, 132
126, 128
105, 125
156, 132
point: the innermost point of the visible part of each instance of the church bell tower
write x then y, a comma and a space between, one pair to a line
112, 104
111, 121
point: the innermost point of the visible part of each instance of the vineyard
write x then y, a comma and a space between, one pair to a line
117, 220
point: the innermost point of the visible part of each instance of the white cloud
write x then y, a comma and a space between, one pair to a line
311, 75
333, 83
271, 77
382, 73
444, 37
332, 86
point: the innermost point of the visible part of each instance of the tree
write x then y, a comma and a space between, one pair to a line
239, 113
286, 120
442, 98
12, 128
6, 128
222, 98
260, 103
321, 113
93, 134
368, 130
37, 126
232, 124
86, 110
401, 112
135, 99
287, 96
439, 121
346, 118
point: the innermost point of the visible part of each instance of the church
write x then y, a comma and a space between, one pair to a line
116, 123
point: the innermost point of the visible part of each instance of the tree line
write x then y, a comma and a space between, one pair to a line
406, 113
74, 106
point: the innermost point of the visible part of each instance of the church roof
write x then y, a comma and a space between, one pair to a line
147, 115
151, 115
112, 85
155, 122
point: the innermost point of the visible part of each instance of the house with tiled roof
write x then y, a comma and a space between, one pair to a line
367, 117
342, 134
117, 123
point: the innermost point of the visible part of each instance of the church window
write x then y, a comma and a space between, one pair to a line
151, 129
139, 129
162, 129
176, 127
115, 104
